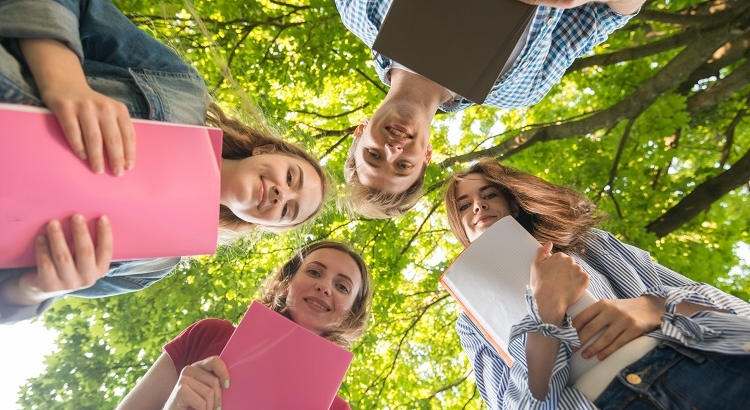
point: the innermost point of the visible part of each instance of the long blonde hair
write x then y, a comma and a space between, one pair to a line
353, 325
239, 142
549, 212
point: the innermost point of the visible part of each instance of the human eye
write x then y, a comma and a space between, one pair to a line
405, 165
464, 206
373, 154
289, 177
342, 288
490, 195
313, 272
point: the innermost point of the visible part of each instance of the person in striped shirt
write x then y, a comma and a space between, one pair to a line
389, 155
699, 336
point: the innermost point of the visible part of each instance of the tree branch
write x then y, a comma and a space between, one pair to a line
450, 385
634, 53
720, 90
331, 116
729, 133
702, 197
616, 162
666, 79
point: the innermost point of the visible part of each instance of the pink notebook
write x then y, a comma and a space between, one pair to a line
167, 206
276, 364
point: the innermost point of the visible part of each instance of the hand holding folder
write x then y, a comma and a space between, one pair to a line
167, 206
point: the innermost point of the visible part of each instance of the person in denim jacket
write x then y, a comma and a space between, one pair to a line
94, 69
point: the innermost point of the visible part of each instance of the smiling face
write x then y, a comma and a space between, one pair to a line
480, 204
323, 290
392, 147
270, 189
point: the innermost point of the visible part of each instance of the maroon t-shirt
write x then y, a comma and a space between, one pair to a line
206, 338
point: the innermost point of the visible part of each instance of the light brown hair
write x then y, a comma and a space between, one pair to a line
238, 143
548, 211
353, 326
374, 203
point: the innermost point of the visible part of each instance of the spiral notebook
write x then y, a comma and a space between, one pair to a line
277, 364
168, 205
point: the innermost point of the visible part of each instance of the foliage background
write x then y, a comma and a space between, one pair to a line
656, 119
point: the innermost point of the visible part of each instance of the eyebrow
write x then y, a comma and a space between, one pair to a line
343, 275
484, 188
301, 179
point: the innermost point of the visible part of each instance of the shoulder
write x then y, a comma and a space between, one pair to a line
210, 327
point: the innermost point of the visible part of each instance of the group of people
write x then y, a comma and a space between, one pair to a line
87, 63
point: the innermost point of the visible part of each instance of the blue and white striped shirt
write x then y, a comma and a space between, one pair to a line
616, 271
556, 39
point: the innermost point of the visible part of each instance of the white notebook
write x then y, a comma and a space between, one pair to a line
488, 279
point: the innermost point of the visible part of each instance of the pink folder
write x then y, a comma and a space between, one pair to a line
167, 206
275, 363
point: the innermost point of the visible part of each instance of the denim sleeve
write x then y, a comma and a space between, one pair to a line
10, 313
40, 19
131, 276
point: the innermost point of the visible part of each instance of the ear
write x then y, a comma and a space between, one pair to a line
360, 128
264, 149
515, 209
428, 155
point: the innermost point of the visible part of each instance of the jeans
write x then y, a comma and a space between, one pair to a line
677, 377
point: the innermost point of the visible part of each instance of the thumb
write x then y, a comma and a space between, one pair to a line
544, 251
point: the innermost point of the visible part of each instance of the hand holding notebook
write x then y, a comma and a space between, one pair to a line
489, 281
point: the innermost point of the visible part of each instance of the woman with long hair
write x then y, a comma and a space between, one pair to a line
697, 355
325, 288
94, 69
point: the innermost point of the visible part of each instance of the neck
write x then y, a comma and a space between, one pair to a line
411, 87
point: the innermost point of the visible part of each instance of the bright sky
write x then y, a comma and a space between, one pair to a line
25, 344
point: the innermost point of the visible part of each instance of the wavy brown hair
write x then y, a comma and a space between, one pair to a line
238, 143
353, 325
549, 212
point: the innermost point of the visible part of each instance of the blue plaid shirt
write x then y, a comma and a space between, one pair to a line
616, 271
557, 37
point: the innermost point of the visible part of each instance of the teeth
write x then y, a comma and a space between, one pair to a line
314, 303
398, 133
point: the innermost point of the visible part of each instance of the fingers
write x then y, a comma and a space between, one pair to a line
83, 248
544, 251
110, 129
92, 137
61, 257
128, 138
217, 367
104, 243
203, 382
191, 395
621, 340
68, 120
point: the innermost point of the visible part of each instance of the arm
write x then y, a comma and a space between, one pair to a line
153, 390
49, 40
197, 386
685, 311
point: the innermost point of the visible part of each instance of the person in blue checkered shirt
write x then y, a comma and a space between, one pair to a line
388, 158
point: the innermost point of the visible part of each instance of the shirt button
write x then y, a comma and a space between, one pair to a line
549, 21
633, 378
746, 347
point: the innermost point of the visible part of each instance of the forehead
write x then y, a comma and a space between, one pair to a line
470, 184
336, 262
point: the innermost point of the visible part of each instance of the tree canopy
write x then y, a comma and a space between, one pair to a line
653, 127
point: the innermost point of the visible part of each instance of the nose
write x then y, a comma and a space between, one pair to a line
479, 205
322, 287
393, 150
279, 194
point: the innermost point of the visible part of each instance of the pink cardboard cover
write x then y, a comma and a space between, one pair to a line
167, 206
275, 363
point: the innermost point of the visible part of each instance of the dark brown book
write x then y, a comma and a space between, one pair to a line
461, 45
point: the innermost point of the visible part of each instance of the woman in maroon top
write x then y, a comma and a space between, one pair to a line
325, 288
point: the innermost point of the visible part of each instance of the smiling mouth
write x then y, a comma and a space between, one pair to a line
261, 194
317, 304
399, 132
484, 219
